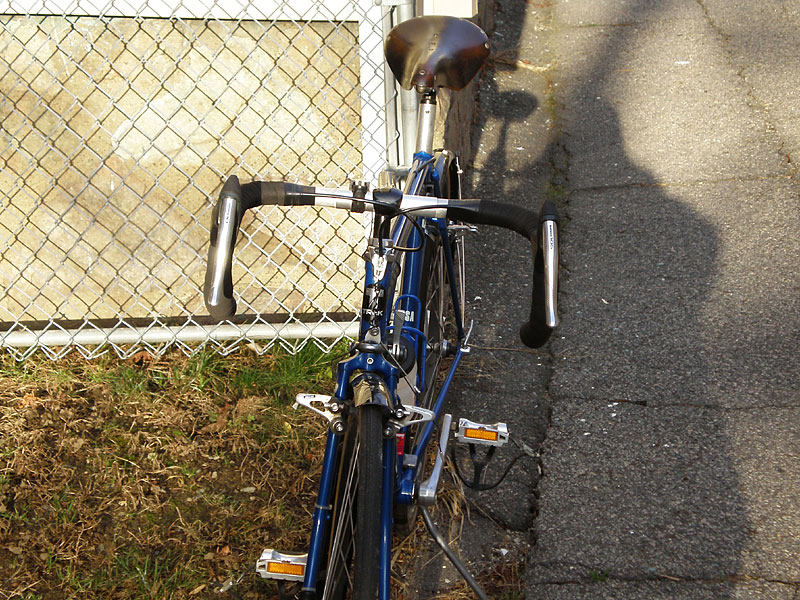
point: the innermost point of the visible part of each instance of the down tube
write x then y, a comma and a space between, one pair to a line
425, 436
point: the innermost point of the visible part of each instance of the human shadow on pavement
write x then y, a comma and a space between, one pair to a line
638, 481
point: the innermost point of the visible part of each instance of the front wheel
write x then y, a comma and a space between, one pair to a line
354, 556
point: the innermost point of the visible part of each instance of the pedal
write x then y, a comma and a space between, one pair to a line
469, 432
276, 565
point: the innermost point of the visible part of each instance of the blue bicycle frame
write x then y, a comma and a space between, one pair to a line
399, 477
402, 319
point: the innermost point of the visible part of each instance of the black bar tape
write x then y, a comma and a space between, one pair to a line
231, 187
463, 210
535, 332
548, 212
276, 193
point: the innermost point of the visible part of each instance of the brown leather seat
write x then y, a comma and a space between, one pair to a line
435, 51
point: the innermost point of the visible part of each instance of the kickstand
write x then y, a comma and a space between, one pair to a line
451, 555
478, 465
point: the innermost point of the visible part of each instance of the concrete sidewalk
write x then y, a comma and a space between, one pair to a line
668, 132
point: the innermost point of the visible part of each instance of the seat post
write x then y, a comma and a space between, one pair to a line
426, 121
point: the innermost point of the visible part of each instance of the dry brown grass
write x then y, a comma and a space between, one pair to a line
159, 478
150, 478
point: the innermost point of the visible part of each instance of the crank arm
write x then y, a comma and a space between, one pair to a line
426, 495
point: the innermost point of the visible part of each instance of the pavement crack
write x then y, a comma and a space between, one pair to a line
598, 575
754, 101
717, 407
663, 405
556, 189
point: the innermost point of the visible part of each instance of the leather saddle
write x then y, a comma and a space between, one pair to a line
436, 51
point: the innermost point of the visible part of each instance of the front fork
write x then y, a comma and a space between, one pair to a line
323, 513
353, 375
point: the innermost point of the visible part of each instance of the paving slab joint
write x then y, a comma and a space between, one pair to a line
557, 159
598, 575
592, 189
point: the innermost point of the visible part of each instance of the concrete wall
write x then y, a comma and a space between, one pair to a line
116, 134
456, 8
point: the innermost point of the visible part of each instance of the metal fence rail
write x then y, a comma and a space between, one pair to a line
118, 124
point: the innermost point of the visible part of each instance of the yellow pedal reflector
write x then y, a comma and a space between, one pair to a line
469, 432
277, 565
480, 434
280, 568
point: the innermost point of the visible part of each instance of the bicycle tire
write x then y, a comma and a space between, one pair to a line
370, 484
436, 309
356, 533
338, 577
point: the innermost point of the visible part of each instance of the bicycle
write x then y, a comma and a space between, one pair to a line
391, 389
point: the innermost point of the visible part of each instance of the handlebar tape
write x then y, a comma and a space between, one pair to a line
276, 193
535, 332
234, 200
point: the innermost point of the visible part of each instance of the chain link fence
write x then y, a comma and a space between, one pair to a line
119, 123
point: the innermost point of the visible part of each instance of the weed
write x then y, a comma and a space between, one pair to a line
17, 514
203, 371
289, 374
123, 380
64, 507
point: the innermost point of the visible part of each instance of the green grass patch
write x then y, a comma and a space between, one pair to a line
64, 507
288, 374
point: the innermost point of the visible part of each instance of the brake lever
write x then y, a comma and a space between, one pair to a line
550, 250
225, 219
